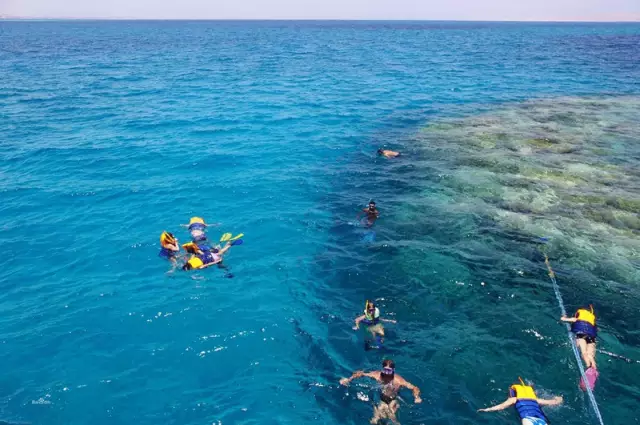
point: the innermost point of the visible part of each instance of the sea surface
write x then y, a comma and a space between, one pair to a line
111, 132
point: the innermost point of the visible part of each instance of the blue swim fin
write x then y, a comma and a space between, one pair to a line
373, 345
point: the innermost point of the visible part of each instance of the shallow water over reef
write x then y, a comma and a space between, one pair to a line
566, 169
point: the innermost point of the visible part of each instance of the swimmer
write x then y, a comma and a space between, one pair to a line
170, 247
388, 154
203, 259
371, 318
197, 228
527, 404
372, 213
390, 385
583, 325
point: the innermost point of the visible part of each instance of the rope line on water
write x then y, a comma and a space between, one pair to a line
618, 356
572, 340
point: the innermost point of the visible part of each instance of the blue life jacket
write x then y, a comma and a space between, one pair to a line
526, 404
582, 327
166, 253
204, 246
208, 257
529, 409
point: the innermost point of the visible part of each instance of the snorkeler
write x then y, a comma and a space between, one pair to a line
390, 385
388, 153
527, 404
203, 259
169, 245
583, 325
371, 318
197, 228
372, 213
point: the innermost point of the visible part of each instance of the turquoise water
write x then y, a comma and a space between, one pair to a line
111, 132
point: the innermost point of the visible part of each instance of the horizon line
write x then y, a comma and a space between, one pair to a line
36, 18
632, 19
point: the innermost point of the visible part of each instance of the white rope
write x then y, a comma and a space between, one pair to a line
572, 341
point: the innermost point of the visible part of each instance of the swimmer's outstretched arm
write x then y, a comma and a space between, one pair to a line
388, 320
553, 402
507, 403
416, 391
358, 374
568, 319
358, 320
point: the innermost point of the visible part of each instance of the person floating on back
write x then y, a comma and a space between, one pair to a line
390, 385
387, 153
203, 259
372, 213
527, 404
583, 325
371, 318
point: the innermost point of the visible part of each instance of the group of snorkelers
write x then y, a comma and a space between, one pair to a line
200, 253
522, 396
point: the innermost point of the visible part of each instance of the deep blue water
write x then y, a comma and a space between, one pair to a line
111, 132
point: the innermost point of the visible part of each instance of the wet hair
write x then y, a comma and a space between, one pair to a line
187, 266
371, 305
388, 363
372, 202
380, 151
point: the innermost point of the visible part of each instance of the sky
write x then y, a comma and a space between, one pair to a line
489, 10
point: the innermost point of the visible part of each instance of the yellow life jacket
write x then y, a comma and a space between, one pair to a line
373, 316
523, 392
166, 237
190, 247
526, 401
195, 262
586, 316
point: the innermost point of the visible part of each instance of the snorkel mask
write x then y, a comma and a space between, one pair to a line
387, 374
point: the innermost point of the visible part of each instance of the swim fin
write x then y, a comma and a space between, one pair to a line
238, 236
225, 237
592, 376
372, 345
237, 242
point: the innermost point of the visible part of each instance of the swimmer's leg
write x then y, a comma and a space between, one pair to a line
377, 332
591, 355
226, 270
393, 408
582, 345
376, 414
174, 265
